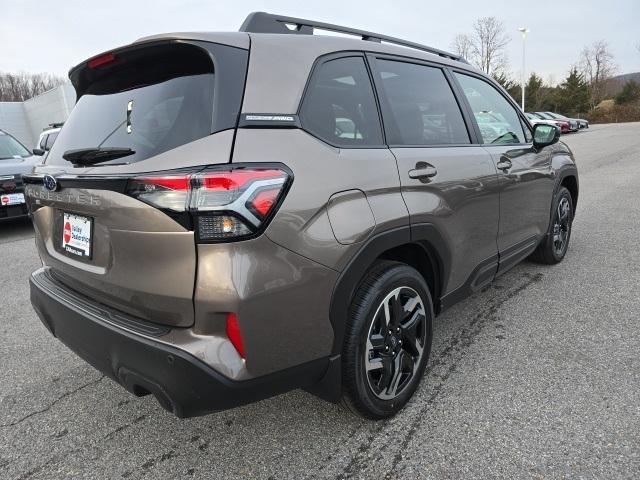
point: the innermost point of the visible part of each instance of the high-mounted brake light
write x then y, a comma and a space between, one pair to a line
225, 204
101, 61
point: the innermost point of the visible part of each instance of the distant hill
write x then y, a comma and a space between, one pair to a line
615, 83
626, 77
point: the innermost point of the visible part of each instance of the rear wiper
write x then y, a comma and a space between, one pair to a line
92, 156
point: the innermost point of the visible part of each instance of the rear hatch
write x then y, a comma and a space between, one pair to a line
110, 205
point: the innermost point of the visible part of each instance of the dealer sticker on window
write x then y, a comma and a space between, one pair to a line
11, 199
76, 235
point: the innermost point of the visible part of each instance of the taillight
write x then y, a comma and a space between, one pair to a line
166, 192
225, 204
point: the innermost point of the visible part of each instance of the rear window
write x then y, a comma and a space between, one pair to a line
150, 100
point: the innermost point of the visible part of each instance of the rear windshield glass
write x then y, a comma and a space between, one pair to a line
136, 105
11, 148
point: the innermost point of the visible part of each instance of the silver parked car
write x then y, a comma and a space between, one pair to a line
15, 160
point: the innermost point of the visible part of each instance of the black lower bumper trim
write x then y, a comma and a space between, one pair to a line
13, 211
182, 383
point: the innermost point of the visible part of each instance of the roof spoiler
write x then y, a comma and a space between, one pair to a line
261, 22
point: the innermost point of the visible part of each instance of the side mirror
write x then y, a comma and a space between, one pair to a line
38, 151
544, 134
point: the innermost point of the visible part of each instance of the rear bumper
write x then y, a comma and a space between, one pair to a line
13, 211
129, 353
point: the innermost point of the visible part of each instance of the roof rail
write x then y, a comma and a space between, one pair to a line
261, 22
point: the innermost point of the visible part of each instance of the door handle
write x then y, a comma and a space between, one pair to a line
423, 170
504, 164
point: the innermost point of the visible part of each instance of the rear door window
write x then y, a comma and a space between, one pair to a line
422, 105
339, 106
497, 119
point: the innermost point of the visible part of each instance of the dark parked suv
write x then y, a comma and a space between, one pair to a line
228, 216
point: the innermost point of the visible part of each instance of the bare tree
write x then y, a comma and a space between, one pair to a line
489, 44
597, 65
18, 87
463, 45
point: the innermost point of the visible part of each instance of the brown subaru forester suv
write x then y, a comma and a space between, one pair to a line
228, 216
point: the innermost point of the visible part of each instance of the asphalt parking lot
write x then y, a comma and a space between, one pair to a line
536, 377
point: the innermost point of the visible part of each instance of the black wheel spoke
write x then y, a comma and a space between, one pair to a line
394, 383
397, 313
387, 374
376, 341
410, 335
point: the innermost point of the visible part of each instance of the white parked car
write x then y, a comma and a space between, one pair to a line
534, 119
46, 138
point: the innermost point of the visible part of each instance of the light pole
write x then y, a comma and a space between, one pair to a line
524, 31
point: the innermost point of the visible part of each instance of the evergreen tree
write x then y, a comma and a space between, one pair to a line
630, 93
533, 93
508, 84
574, 94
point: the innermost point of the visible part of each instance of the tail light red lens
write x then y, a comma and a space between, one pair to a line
166, 192
262, 202
225, 204
233, 333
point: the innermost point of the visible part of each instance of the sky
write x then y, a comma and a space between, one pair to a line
38, 36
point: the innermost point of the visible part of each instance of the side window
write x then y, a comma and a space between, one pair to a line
498, 121
50, 139
43, 142
424, 109
339, 106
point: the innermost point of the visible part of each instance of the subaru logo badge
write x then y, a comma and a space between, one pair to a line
50, 183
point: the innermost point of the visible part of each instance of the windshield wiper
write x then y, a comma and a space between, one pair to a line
92, 156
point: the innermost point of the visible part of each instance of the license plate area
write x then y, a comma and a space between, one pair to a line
75, 237
9, 199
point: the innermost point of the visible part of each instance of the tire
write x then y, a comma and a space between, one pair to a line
555, 244
385, 351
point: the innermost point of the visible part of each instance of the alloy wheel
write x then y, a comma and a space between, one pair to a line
395, 342
561, 226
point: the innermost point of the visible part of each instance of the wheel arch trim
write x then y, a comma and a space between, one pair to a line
563, 173
424, 235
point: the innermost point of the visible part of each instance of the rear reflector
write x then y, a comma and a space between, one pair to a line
233, 333
225, 204
101, 61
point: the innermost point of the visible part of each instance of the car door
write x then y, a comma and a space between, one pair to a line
526, 178
447, 181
